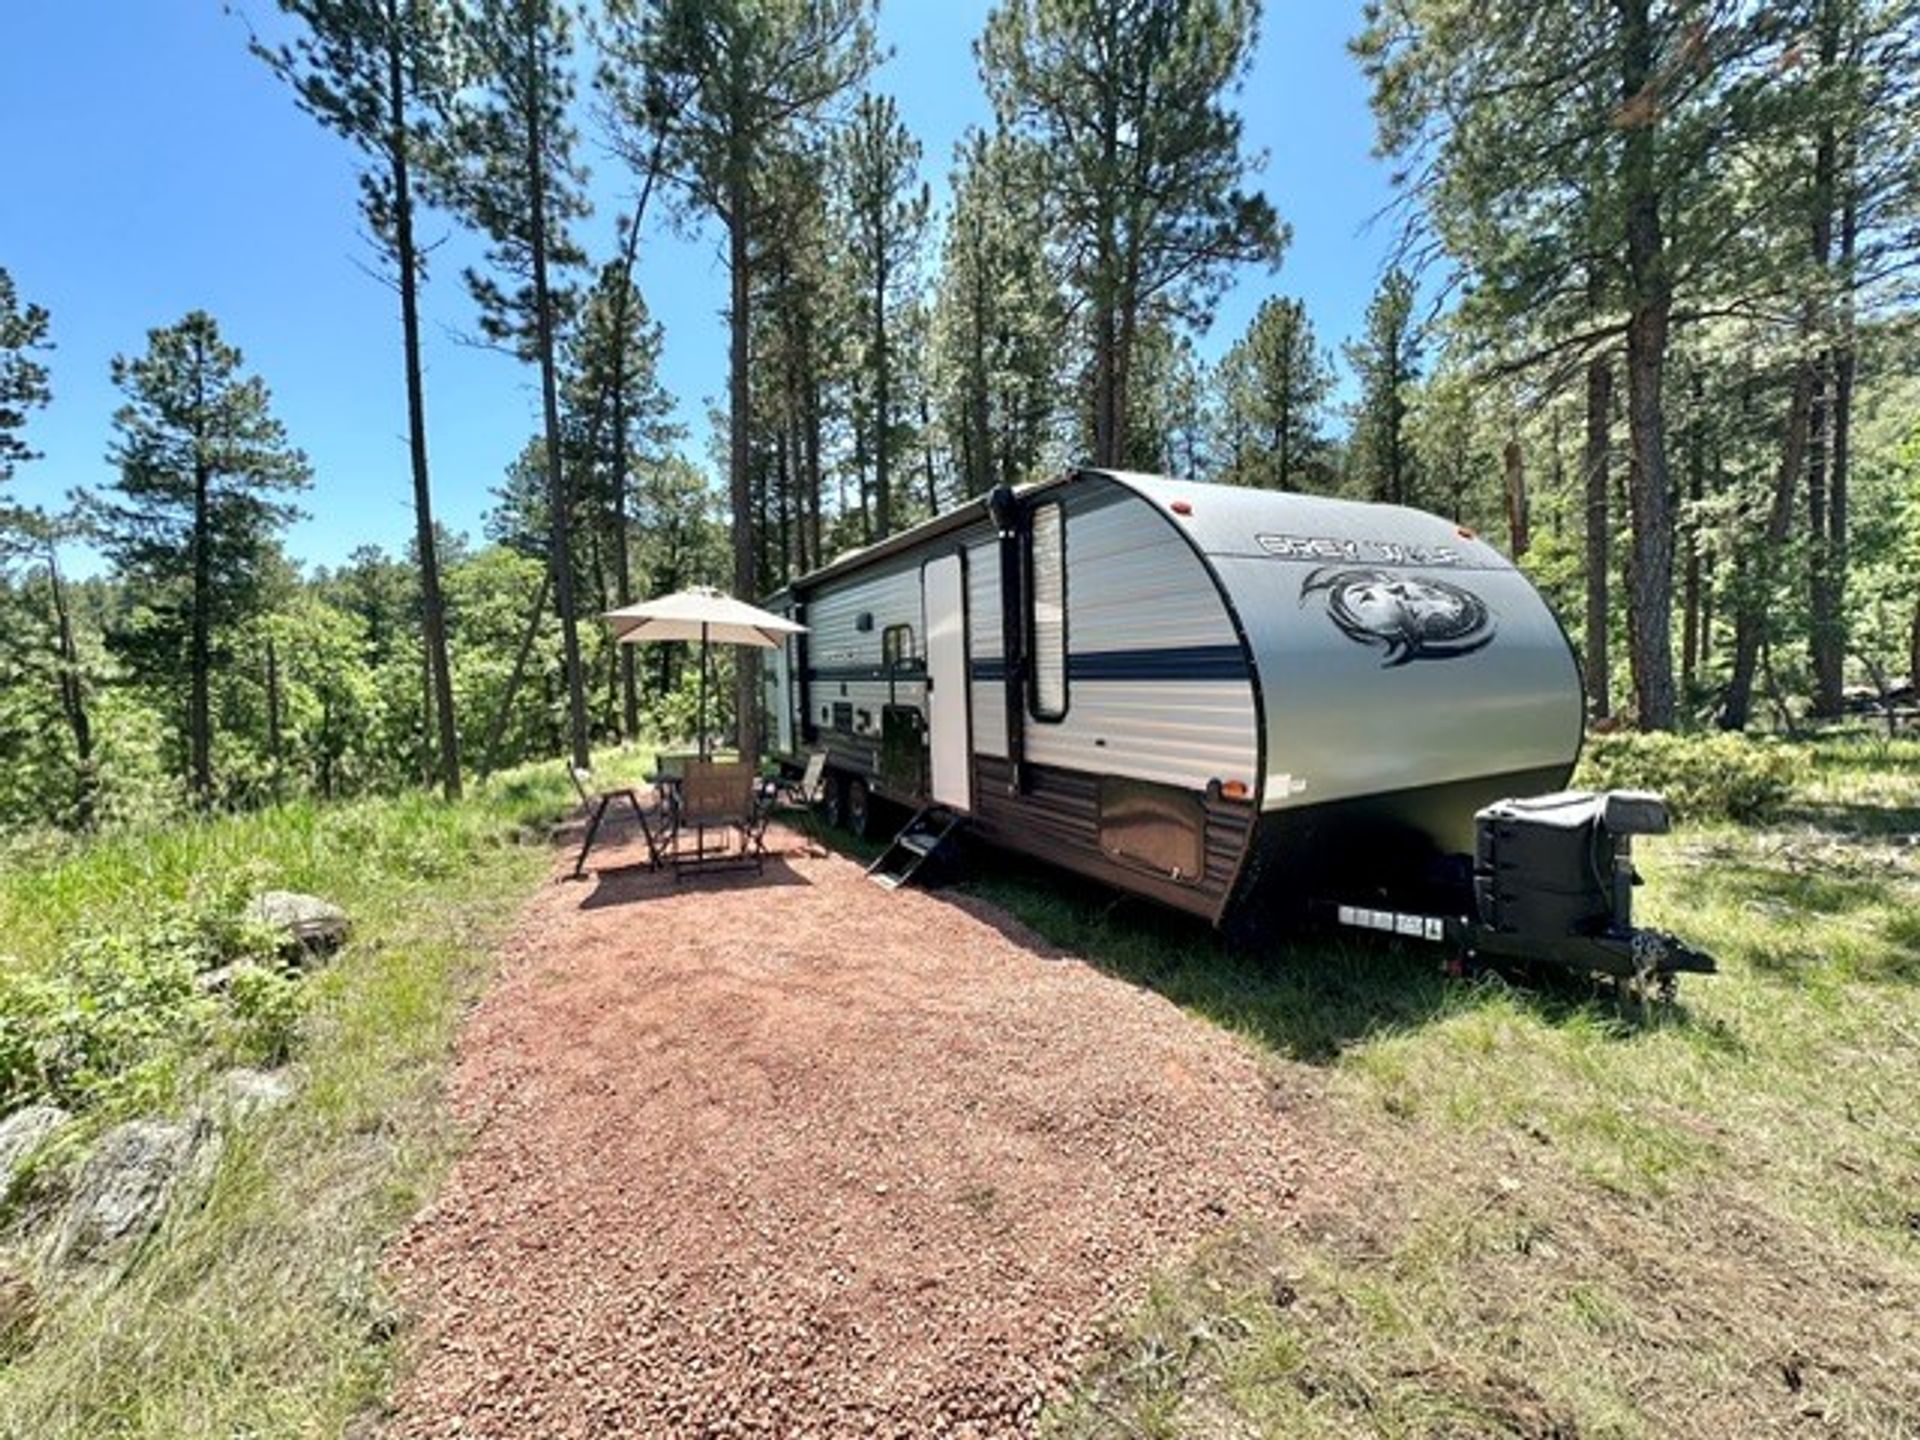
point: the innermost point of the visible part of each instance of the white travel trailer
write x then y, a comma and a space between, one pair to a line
1244, 704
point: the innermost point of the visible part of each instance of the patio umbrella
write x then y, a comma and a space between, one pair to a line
705, 615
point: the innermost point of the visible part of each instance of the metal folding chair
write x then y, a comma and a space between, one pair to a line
716, 795
596, 803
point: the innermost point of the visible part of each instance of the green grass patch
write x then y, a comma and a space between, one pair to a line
1575, 1217
260, 1312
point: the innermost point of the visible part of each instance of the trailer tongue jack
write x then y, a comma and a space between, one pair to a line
1552, 883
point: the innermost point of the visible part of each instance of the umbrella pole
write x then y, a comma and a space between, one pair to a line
704, 727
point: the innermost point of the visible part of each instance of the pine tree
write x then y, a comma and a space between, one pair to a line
515, 178
204, 467
378, 73
884, 208
1386, 361
1585, 167
999, 312
719, 86
621, 413
1127, 105
24, 386
1860, 149
802, 323
1277, 380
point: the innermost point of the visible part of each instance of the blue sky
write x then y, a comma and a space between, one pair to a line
157, 167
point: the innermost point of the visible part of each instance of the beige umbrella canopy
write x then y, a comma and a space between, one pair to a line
704, 615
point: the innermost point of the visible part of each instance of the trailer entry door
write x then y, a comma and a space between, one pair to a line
943, 597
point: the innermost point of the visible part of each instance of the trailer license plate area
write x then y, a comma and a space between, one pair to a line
1394, 922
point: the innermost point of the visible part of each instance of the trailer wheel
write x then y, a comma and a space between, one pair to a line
833, 804
859, 809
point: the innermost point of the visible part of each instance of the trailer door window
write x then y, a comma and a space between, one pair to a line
1047, 565
897, 652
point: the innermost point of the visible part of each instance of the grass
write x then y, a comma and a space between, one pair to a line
1543, 1214
261, 1312
1527, 1211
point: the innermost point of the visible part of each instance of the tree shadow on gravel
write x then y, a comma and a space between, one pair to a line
1309, 998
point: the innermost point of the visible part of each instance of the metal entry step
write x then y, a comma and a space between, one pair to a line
919, 841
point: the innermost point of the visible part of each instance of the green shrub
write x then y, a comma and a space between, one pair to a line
1704, 777
114, 1017
266, 1005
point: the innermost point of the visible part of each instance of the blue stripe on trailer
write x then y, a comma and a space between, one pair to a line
1185, 662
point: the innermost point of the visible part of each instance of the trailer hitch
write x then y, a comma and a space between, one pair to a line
1552, 883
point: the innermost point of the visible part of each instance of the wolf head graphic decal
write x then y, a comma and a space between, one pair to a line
1409, 617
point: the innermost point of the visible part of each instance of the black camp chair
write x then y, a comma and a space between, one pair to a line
800, 800
596, 803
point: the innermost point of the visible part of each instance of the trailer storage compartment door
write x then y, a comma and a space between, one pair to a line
943, 597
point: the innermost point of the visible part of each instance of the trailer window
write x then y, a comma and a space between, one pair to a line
1047, 566
896, 649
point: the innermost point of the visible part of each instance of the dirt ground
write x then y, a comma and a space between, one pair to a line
788, 1154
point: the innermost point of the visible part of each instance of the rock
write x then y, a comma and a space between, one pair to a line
19, 1308
125, 1183
241, 1094
22, 1133
216, 981
313, 927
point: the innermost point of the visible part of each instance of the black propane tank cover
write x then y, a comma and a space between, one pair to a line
1634, 812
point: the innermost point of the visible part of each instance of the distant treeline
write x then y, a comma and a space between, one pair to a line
1651, 326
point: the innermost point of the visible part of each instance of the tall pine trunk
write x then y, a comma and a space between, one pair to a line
746, 679
979, 428
1692, 649
1830, 649
432, 607
1599, 532
274, 747
926, 453
1826, 628
1819, 621
622, 560
1283, 435
73, 697
200, 662
1650, 594
560, 540
882, 407
1913, 652
1755, 589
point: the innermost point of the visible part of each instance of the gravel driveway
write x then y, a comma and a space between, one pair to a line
791, 1155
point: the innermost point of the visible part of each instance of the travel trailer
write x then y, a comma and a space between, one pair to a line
1252, 706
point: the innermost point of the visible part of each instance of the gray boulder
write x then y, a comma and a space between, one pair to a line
125, 1184
313, 928
240, 1094
22, 1133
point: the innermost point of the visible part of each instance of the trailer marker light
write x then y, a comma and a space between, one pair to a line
1234, 789
1465, 534
1181, 507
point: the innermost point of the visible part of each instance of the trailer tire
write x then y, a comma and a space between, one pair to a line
833, 804
859, 807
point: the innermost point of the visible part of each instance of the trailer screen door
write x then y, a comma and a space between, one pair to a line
943, 597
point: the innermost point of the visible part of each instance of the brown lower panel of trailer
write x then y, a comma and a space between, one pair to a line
1057, 819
